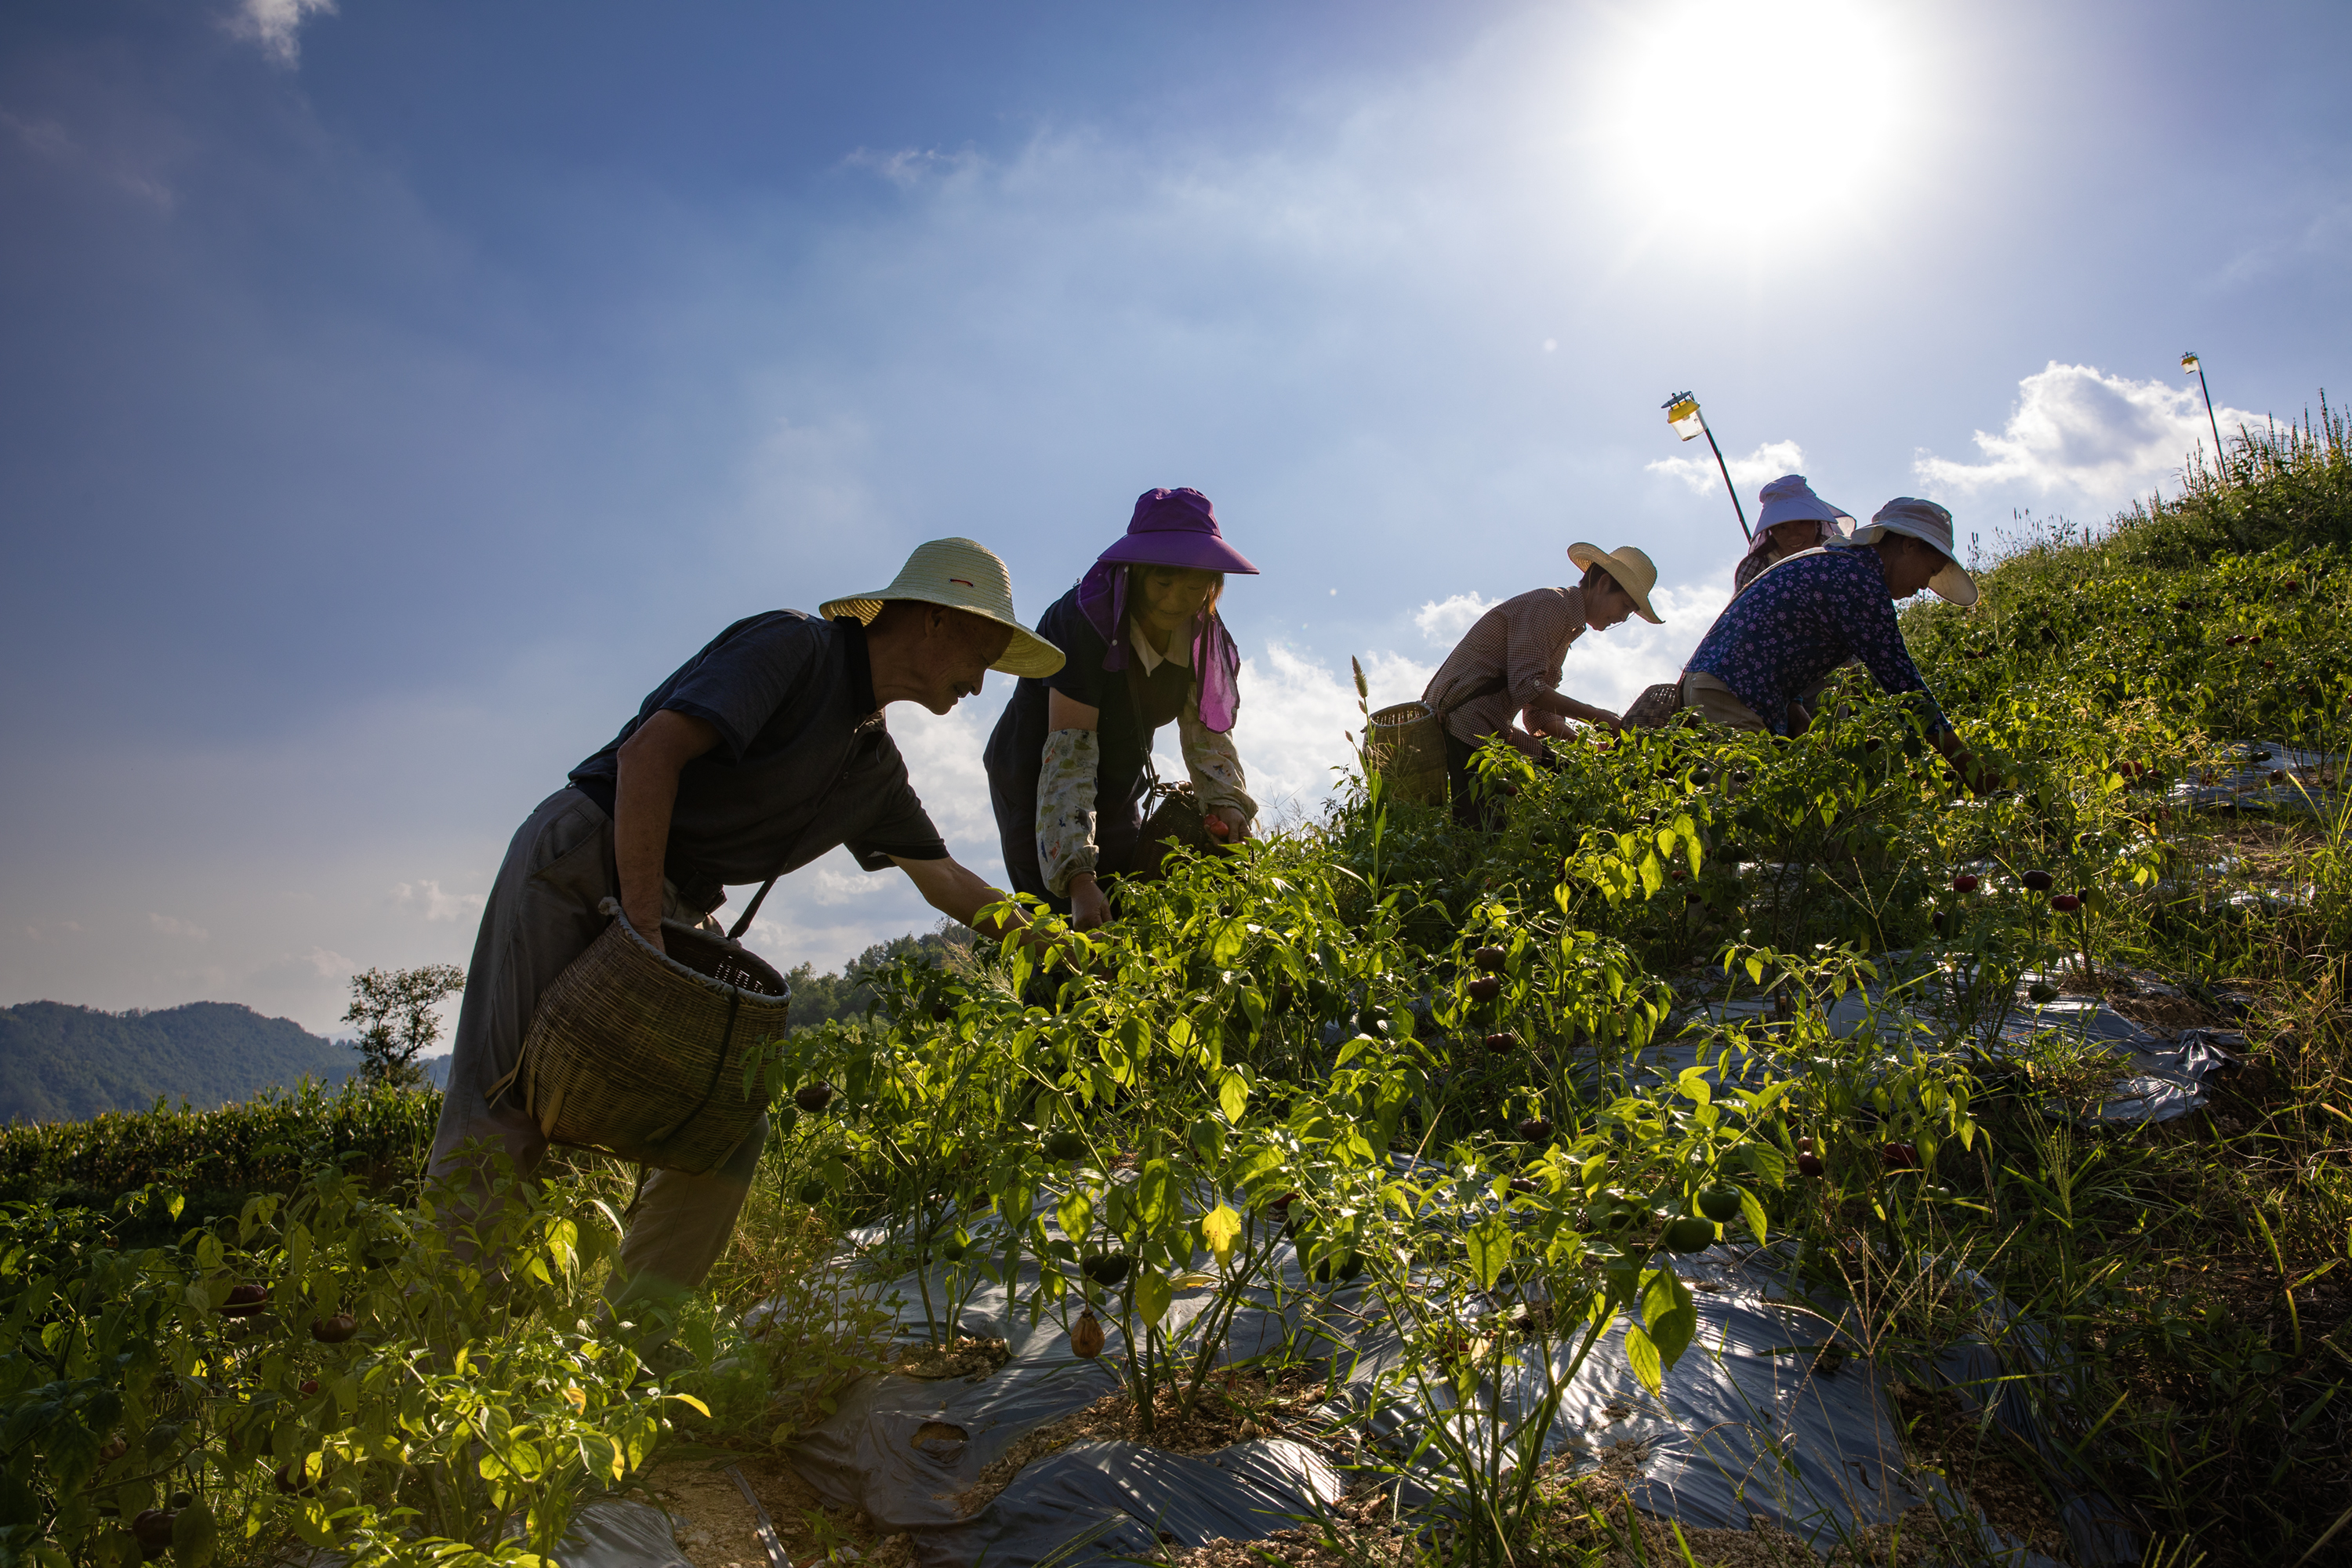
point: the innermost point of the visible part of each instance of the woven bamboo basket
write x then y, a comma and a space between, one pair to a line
1407, 744
640, 1054
1655, 706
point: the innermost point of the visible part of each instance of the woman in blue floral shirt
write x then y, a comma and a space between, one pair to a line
1810, 612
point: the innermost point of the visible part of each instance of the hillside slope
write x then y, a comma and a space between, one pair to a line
59, 1062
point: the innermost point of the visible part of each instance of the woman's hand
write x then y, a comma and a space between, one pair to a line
1225, 824
1088, 907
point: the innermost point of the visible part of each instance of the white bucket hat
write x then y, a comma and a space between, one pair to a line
1927, 522
1630, 568
1789, 499
963, 575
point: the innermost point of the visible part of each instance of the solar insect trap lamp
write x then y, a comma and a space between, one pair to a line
1682, 413
2191, 365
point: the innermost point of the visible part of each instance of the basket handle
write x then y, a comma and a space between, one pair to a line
743, 922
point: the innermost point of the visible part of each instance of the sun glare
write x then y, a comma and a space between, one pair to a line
1754, 119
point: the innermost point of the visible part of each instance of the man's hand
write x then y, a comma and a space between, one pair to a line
960, 894
1088, 907
1225, 824
644, 796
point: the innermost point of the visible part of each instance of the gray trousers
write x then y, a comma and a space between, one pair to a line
541, 916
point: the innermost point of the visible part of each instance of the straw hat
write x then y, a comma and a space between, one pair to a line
966, 575
1630, 567
1930, 523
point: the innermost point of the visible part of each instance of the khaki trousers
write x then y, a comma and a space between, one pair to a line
1717, 703
542, 914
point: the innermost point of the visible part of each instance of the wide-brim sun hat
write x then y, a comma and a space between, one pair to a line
1789, 499
963, 575
1176, 528
1630, 568
1931, 524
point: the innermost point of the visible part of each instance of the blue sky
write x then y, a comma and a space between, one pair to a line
392, 395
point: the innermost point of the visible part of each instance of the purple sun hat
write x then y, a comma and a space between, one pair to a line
1176, 528
1171, 527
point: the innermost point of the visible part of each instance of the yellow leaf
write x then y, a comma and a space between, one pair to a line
696, 1404
579, 1399
1219, 1227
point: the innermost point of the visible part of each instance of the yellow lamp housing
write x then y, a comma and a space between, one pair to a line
1684, 416
2188, 364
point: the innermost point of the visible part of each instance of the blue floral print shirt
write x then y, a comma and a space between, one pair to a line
1801, 619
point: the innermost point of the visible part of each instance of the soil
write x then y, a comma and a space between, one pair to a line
1566, 1529
714, 1526
1943, 1434
966, 1358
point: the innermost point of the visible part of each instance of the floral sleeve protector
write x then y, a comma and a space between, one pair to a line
1066, 806
1214, 764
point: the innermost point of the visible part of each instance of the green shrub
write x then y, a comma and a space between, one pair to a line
330, 1369
266, 1144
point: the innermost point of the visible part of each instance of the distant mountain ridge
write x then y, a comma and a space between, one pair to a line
63, 1063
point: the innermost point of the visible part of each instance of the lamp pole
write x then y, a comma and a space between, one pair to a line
1682, 413
2191, 365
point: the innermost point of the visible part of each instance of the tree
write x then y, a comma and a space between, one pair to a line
395, 1012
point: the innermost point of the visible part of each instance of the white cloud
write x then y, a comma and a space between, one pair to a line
171, 925
2079, 431
1443, 621
843, 884
48, 140
312, 977
1300, 720
1611, 668
911, 165
427, 899
274, 23
1750, 473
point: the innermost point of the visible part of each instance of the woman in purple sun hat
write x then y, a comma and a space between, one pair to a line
1068, 764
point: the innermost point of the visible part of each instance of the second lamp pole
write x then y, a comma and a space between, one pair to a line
2191, 365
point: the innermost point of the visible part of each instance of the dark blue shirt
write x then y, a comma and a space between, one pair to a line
802, 761
1803, 618
1131, 706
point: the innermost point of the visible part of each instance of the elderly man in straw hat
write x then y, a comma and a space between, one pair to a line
1810, 612
1508, 665
763, 751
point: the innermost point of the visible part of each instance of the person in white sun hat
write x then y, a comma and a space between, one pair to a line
1789, 517
1507, 666
763, 751
1810, 612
